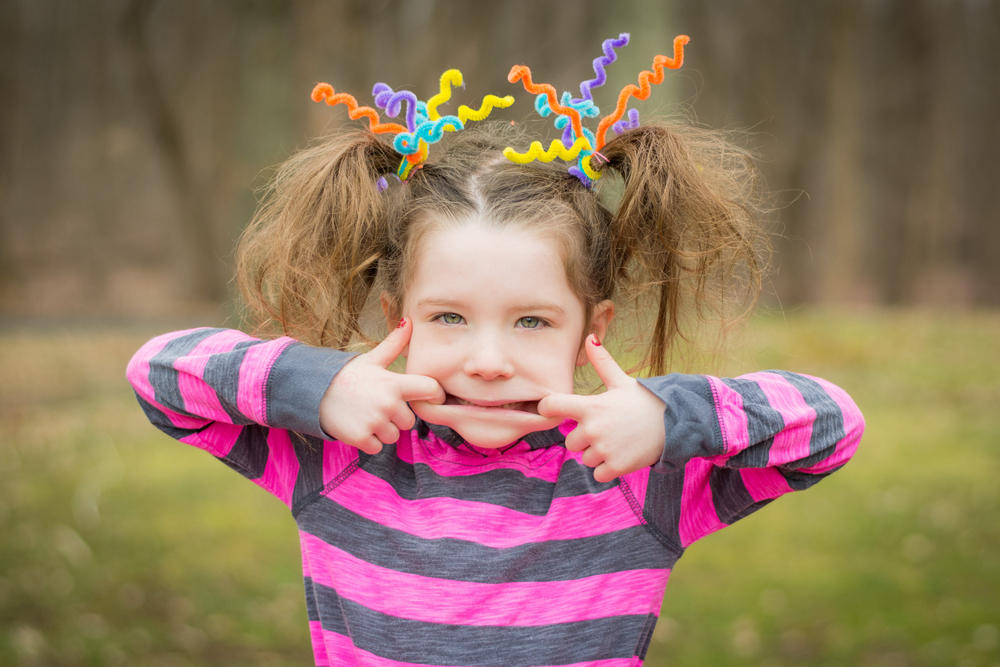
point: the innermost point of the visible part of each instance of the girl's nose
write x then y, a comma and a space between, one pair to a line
488, 359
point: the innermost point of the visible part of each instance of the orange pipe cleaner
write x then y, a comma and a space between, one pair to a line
519, 72
641, 93
324, 91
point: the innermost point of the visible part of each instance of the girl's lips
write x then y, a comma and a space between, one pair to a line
530, 407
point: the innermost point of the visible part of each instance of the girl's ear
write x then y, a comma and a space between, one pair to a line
604, 312
392, 316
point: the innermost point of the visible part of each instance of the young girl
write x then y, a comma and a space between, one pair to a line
473, 510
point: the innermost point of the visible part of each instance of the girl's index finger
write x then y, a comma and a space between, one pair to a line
389, 349
607, 368
569, 406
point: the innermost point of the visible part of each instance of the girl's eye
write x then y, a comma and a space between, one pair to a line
530, 322
451, 318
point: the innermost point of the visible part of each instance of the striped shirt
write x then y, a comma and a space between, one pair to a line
436, 552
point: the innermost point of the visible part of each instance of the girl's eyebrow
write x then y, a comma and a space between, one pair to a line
550, 307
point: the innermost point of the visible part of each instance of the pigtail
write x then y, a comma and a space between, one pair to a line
307, 262
685, 237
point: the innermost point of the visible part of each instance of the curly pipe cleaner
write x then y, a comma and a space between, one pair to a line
586, 108
490, 102
523, 74
324, 92
449, 79
392, 102
630, 124
609, 57
641, 92
556, 150
431, 132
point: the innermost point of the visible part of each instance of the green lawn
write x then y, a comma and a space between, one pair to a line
119, 546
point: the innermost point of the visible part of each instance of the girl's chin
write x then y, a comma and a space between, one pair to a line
490, 430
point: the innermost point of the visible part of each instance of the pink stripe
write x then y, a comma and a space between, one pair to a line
448, 461
336, 457
854, 427
200, 398
698, 515
732, 417
638, 482
253, 377
792, 442
432, 600
137, 371
484, 523
764, 483
217, 439
346, 654
318, 644
282, 467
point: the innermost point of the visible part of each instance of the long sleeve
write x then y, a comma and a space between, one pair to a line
238, 398
734, 445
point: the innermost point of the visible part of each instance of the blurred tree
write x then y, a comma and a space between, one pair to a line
132, 130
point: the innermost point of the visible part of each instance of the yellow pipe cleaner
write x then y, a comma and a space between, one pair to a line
449, 79
556, 150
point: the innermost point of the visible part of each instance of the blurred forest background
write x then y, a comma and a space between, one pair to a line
134, 131
135, 136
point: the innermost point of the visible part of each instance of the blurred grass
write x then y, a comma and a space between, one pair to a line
118, 546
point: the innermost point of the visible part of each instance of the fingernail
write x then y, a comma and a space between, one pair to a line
593, 339
401, 323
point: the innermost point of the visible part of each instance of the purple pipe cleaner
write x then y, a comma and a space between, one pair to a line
630, 124
609, 57
391, 102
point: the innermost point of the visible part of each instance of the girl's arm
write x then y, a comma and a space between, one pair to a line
240, 399
196, 385
701, 452
243, 399
734, 445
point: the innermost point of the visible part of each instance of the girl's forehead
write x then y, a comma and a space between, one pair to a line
497, 263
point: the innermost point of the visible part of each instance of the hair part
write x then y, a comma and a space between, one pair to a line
681, 245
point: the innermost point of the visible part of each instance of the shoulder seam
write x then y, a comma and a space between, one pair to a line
638, 511
327, 488
267, 382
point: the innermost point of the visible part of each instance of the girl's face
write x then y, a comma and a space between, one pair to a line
496, 323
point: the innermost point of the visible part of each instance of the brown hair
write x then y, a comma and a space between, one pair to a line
681, 244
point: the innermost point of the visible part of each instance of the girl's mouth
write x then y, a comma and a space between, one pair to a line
530, 407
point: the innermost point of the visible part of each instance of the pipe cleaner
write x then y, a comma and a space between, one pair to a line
424, 125
579, 143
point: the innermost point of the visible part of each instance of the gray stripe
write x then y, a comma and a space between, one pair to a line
799, 481
297, 381
160, 420
689, 417
662, 507
462, 560
162, 375
309, 452
645, 637
828, 429
311, 608
248, 455
503, 487
763, 422
222, 373
407, 640
730, 496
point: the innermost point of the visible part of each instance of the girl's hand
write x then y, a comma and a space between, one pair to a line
365, 404
619, 431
